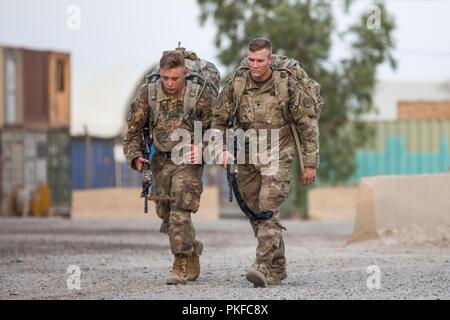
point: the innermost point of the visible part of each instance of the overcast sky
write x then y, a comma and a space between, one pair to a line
119, 39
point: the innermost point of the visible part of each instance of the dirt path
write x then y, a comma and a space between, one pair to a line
123, 259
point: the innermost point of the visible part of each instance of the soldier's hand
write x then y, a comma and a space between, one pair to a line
308, 176
139, 163
194, 156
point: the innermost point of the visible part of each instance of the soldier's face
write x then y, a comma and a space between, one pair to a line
259, 63
173, 79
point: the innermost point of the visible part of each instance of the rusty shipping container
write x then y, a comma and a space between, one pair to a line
59, 171
2, 118
2, 87
424, 110
35, 88
58, 90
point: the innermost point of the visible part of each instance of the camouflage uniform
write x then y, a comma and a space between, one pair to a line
260, 108
178, 187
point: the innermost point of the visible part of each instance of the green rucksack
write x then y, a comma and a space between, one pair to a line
282, 63
201, 73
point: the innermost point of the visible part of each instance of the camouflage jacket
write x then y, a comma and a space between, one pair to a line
169, 118
260, 109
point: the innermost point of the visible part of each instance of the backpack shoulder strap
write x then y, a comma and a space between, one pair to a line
152, 79
281, 85
195, 84
239, 82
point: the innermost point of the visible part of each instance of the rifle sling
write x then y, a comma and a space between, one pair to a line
264, 215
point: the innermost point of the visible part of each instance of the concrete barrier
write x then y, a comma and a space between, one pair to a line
124, 203
419, 205
332, 203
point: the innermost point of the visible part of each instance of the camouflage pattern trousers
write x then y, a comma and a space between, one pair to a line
261, 193
177, 194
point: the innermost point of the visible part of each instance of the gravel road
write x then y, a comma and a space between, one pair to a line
122, 259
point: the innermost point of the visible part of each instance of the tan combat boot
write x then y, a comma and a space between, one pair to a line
193, 263
275, 278
178, 274
258, 275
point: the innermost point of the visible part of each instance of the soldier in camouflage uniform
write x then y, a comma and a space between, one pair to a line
178, 187
253, 96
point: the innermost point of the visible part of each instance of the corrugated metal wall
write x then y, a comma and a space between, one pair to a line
405, 148
12, 87
35, 153
12, 163
2, 87
127, 177
424, 110
93, 164
58, 90
35, 88
34, 99
59, 171
103, 164
78, 160
31, 159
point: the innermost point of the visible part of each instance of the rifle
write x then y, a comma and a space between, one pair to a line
147, 176
233, 184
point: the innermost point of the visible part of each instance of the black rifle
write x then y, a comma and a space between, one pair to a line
233, 184
147, 177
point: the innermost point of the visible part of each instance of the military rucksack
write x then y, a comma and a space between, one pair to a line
201, 74
282, 65
203, 67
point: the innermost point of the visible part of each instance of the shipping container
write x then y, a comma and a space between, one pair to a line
58, 90
2, 212
103, 173
424, 110
11, 83
35, 88
405, 148
12, 164
35, 154
78, 160
93, 164
2, 88
59, 171
127, 177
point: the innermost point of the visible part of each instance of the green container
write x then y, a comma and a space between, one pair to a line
59, 171
405, 148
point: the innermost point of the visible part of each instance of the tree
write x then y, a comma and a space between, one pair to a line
304, 30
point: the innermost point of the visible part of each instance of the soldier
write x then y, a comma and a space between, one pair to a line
167, 103
262, 97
